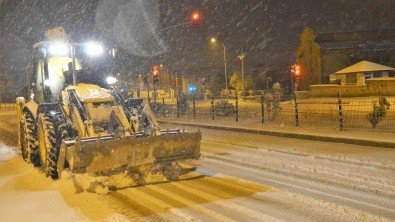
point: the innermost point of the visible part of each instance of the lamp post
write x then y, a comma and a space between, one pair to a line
241, 57
214, 41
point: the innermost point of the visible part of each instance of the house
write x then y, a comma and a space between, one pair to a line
322, 54
361, 79
359, 72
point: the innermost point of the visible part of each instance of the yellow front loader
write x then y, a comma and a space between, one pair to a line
85, 127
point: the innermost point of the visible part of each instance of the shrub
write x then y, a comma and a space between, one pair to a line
379, 111
224, 108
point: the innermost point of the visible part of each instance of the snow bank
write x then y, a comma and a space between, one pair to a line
6, 152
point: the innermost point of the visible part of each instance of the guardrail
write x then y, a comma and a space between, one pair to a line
7, 106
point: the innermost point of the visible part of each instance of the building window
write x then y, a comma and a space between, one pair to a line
351, 78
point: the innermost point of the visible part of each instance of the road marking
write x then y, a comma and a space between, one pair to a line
144, 195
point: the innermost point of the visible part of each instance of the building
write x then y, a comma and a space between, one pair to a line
322, 54
361, 79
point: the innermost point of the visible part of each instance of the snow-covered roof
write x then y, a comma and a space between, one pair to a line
364, 66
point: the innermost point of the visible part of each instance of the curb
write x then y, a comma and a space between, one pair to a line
361, 142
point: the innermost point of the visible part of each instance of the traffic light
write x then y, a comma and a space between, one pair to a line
296, 71
195, 17
155, 74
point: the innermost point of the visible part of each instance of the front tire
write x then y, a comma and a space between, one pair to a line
28, 139
51, 132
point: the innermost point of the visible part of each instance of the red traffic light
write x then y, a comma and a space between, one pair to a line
155, 70
196, 17
296, 71
155, 74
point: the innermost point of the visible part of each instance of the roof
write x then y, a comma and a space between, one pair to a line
364, 66
374, 35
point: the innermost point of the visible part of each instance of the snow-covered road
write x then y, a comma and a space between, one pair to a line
240, 177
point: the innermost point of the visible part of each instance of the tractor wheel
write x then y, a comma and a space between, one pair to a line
28, 139
51, 132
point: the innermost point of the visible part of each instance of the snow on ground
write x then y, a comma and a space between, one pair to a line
240, 177
6, 152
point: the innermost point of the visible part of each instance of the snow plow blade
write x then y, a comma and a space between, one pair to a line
111, 155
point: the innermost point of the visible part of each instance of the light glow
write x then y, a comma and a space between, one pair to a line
58, 49
93, 49
195, 17
111, 80
213, 40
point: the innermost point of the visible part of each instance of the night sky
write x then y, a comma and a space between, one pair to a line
268, 31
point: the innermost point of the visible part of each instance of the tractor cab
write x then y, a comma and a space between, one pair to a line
59, 63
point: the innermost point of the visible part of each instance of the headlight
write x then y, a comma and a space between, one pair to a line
93, 49
111, 80
58, 49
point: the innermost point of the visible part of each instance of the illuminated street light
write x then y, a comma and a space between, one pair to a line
214, 40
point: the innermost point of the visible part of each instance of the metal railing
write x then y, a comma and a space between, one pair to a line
361, 113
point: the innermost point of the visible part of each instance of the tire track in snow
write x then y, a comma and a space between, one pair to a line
305, 167
247, 213
301, 187
377, 165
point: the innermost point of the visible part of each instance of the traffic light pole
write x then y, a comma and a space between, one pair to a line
154, 92
292, 83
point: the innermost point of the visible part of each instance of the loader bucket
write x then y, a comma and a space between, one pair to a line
111, 154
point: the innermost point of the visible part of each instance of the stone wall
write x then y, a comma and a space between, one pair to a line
379, 86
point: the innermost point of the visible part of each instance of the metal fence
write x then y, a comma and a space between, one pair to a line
363, 113
7, 106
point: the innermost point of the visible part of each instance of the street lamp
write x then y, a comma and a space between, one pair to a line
214, 40
241, 57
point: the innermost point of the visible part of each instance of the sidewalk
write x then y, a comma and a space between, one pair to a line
364, 138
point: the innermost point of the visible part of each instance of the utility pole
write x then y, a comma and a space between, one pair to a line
241, 57
215, 41
226, 75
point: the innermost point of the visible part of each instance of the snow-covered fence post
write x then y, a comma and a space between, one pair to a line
163, 107
262, 109
339, 99
178, 107
194, 106
296, 111
237, 108
212, 107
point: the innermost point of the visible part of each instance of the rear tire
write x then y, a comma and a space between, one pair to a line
52, 130
28, 139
